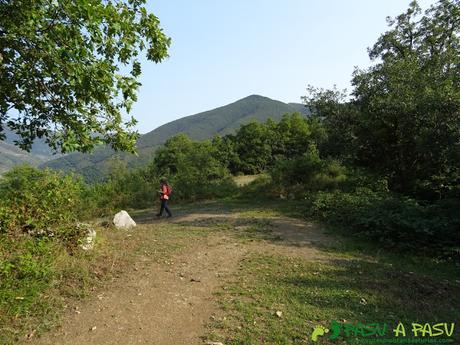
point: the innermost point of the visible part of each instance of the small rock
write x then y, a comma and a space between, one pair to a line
214, 343
196, 280
363, 301
279, 313
31, 334
88, 241
93, 328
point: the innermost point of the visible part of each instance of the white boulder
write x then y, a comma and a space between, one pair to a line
122, 220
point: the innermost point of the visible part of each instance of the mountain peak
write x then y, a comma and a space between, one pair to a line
255, 98
219, 121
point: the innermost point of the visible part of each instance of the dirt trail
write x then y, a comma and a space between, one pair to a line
170, 303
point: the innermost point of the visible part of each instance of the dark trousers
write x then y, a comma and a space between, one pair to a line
164, 206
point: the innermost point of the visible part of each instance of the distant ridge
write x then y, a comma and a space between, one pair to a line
11, 155
219, 121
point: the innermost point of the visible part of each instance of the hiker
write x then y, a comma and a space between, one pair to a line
165, 192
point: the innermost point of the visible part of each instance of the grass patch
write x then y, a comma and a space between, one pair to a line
26, 273
356, 247
315, 293
247, 206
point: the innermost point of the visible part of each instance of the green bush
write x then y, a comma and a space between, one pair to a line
361, 180
261, 188
393, 220
123, 190
307, 173
194, 169
189, 186
39, 202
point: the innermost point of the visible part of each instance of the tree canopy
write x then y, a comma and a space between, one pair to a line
403, 119
69, 70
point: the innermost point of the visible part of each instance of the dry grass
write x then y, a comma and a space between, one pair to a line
244, 180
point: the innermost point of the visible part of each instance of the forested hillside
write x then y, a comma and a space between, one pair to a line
219, 121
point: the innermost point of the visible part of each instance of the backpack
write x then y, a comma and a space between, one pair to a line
168, 190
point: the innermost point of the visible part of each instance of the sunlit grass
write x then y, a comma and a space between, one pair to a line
315, 293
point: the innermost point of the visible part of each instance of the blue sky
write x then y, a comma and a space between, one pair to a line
224, 50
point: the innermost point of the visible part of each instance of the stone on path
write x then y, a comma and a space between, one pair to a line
87, 242
122, 220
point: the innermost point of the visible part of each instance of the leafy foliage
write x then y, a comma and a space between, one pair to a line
338, 119
256, 147
411, 100
39, 203
193, 168
61, 69
393, 220
307, 172
124, 189
404, 118
252, 144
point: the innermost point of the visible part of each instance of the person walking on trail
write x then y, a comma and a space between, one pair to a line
165, 192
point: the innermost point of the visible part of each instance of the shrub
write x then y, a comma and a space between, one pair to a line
261, 188
39, 202
393, 220
134, 189
307, 173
